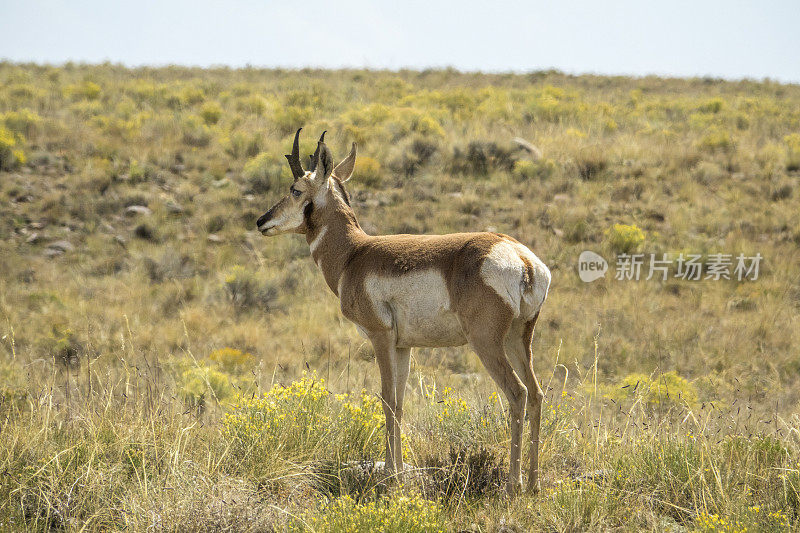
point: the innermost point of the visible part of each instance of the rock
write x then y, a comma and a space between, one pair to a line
60, 246
563, 198
33, 238
213, 237
122, 241
137, 210
50, 252
36, 225
535, 153
174, 208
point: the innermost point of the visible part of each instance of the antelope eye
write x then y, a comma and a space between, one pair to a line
295, 192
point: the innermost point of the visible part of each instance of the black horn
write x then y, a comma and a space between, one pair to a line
316, 152
294, 157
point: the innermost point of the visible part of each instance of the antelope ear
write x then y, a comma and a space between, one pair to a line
344, 170
324, 163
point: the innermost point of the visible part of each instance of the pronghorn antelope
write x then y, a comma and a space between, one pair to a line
405, 291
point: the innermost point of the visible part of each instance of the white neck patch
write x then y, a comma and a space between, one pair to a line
318, 239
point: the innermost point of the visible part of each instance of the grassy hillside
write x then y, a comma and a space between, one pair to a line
164, 366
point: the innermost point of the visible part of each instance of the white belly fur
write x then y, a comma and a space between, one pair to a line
417, 304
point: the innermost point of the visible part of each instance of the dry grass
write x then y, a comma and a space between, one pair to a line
138, 302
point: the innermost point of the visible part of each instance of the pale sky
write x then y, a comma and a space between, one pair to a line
721, 38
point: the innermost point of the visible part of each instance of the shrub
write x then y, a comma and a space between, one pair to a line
754, 518
367, 171
196, 132
468, 472
253, 104
591, 163
287, 117
246, 292
190, 95
211, 112
199, 383
414, 155
146, 232
624, 238
63, 345
663, 391
185, 97
87, 90
23, 122
527, 169
610, 125
305, 420
360, 421
240, 144
447, 415
10, 153
359, 479
138, 172
216, 223
427, 126
716, 138
24, 91
264, 173
480, 158
552, 104
792, 152
577, 228
232, 360
170, 266
398, 514
714, 105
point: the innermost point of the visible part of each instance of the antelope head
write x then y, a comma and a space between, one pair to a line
310, 188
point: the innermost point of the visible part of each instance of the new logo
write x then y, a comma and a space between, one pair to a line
591, 266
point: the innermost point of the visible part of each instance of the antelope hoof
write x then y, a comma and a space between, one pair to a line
513, 487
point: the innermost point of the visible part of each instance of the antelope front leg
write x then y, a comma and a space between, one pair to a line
386, 354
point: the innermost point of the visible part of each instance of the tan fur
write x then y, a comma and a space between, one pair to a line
405, 291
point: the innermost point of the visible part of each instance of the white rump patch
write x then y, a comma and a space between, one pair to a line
417, 305
504, 271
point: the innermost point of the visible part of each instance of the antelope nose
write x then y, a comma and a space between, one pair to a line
264, 218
